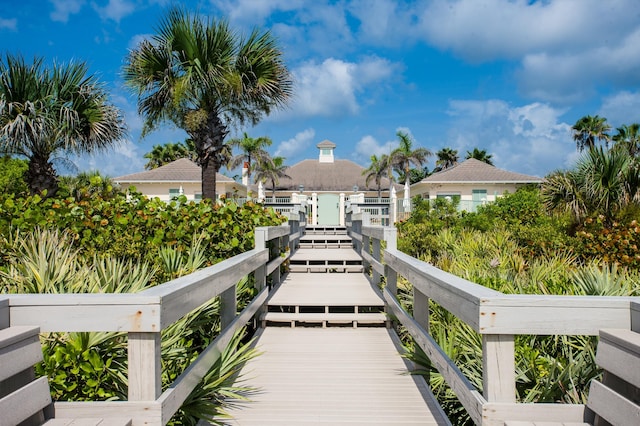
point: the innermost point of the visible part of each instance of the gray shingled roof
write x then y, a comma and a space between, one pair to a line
326, 144
339, 176
473, 170
182, 170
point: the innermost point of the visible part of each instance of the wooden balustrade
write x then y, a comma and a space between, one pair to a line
496, 316
144, 315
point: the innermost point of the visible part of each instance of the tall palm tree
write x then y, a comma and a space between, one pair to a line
253, 149
588, 130
628, 139
480, 155
47, 112
404, 156
204, 77
376, 171
447, 157
271, 170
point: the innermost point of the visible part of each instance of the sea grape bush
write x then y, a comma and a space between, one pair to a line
132, 226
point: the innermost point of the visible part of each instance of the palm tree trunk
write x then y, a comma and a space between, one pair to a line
209, 142
41, 176
209, 181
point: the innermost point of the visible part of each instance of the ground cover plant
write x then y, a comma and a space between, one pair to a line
515, 246
92, 237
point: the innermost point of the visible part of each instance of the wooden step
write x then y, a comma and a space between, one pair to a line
323, 319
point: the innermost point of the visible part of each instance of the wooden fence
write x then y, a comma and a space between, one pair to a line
144, 315
496, 316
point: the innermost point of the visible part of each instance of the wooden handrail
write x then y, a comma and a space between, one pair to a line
498, 317
145, 314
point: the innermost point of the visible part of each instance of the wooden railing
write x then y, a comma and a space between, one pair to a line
144, 315
496, 316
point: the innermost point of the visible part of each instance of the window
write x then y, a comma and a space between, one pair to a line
197, 196
326, 151
174, 193
479, 195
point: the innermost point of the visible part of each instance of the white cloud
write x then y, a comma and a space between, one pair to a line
63, 8
527, 139
384, 22
368, 146
334, 88
8, 24
296, 145
492, 29
566, 48
621, 108
255, 11
115, 10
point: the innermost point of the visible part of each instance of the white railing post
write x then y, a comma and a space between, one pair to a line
498, 368
260, 242
145, 371
376, 255
421, 309
228, 306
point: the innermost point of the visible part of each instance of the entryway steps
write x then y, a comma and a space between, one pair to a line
325, 300
326, 241
326, 260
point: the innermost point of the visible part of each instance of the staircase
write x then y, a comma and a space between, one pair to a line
322, 289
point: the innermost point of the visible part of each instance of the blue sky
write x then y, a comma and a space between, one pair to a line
510, 77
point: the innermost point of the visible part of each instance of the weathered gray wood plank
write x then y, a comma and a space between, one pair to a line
468, 395
20, 349
619, 353
612, 406
332, 375
24, 402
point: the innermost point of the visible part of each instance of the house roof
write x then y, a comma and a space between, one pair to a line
326, 144
182, 170
475, 171
339, 176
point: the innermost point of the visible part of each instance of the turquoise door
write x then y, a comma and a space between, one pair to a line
328, 209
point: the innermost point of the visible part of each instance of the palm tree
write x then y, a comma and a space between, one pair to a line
480, 155
604, 182
271, 170
628, 139
252, 149
376, 171
447, 157
588, 130
49, 112
403, 156
164, 154
204, 77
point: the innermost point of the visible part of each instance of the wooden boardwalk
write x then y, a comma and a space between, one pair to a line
326, 355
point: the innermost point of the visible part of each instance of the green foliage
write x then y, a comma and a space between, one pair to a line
111, 242
515, 247
12, 172
134, 227
617, 242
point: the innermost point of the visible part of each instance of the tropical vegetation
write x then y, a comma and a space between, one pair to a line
92, 237
252, 151
272, 169
480, 155
377, 170
50, 112
590, 129
204, 77
515, 246
168, 152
